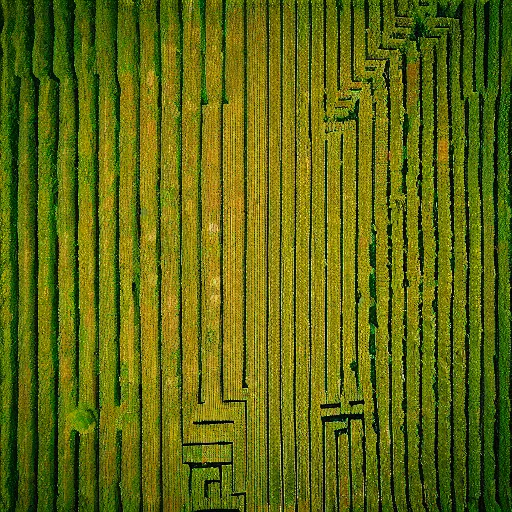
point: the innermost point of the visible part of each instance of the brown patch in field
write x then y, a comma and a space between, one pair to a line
442, 151
413, 69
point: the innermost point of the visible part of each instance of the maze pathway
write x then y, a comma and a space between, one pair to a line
255, 255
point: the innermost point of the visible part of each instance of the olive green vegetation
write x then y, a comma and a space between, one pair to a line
255, 255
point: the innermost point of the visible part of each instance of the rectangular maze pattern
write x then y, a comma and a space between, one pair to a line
255, 255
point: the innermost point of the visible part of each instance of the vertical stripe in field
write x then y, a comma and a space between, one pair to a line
366, 350
490, 69
173, 470
9, 101
288, 435
128, 256
313, 212
233, 202
382, 339
362, 461
67, 258
255, 257
504, 248
466, 82
108, 201
349, 216
233, 207
324, 79
274, 256
190, 259
47, 367
149, 150
27, 260
86, 415
475, 319
460, 270
397, 205
413, 273
211, 207
444, 272
309, 254
428, 424
190, 169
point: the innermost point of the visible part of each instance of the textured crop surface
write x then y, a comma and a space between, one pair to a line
255, 255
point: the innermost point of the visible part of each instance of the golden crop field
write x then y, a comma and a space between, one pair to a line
255, 255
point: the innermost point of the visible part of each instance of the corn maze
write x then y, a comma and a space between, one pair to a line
255, 255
